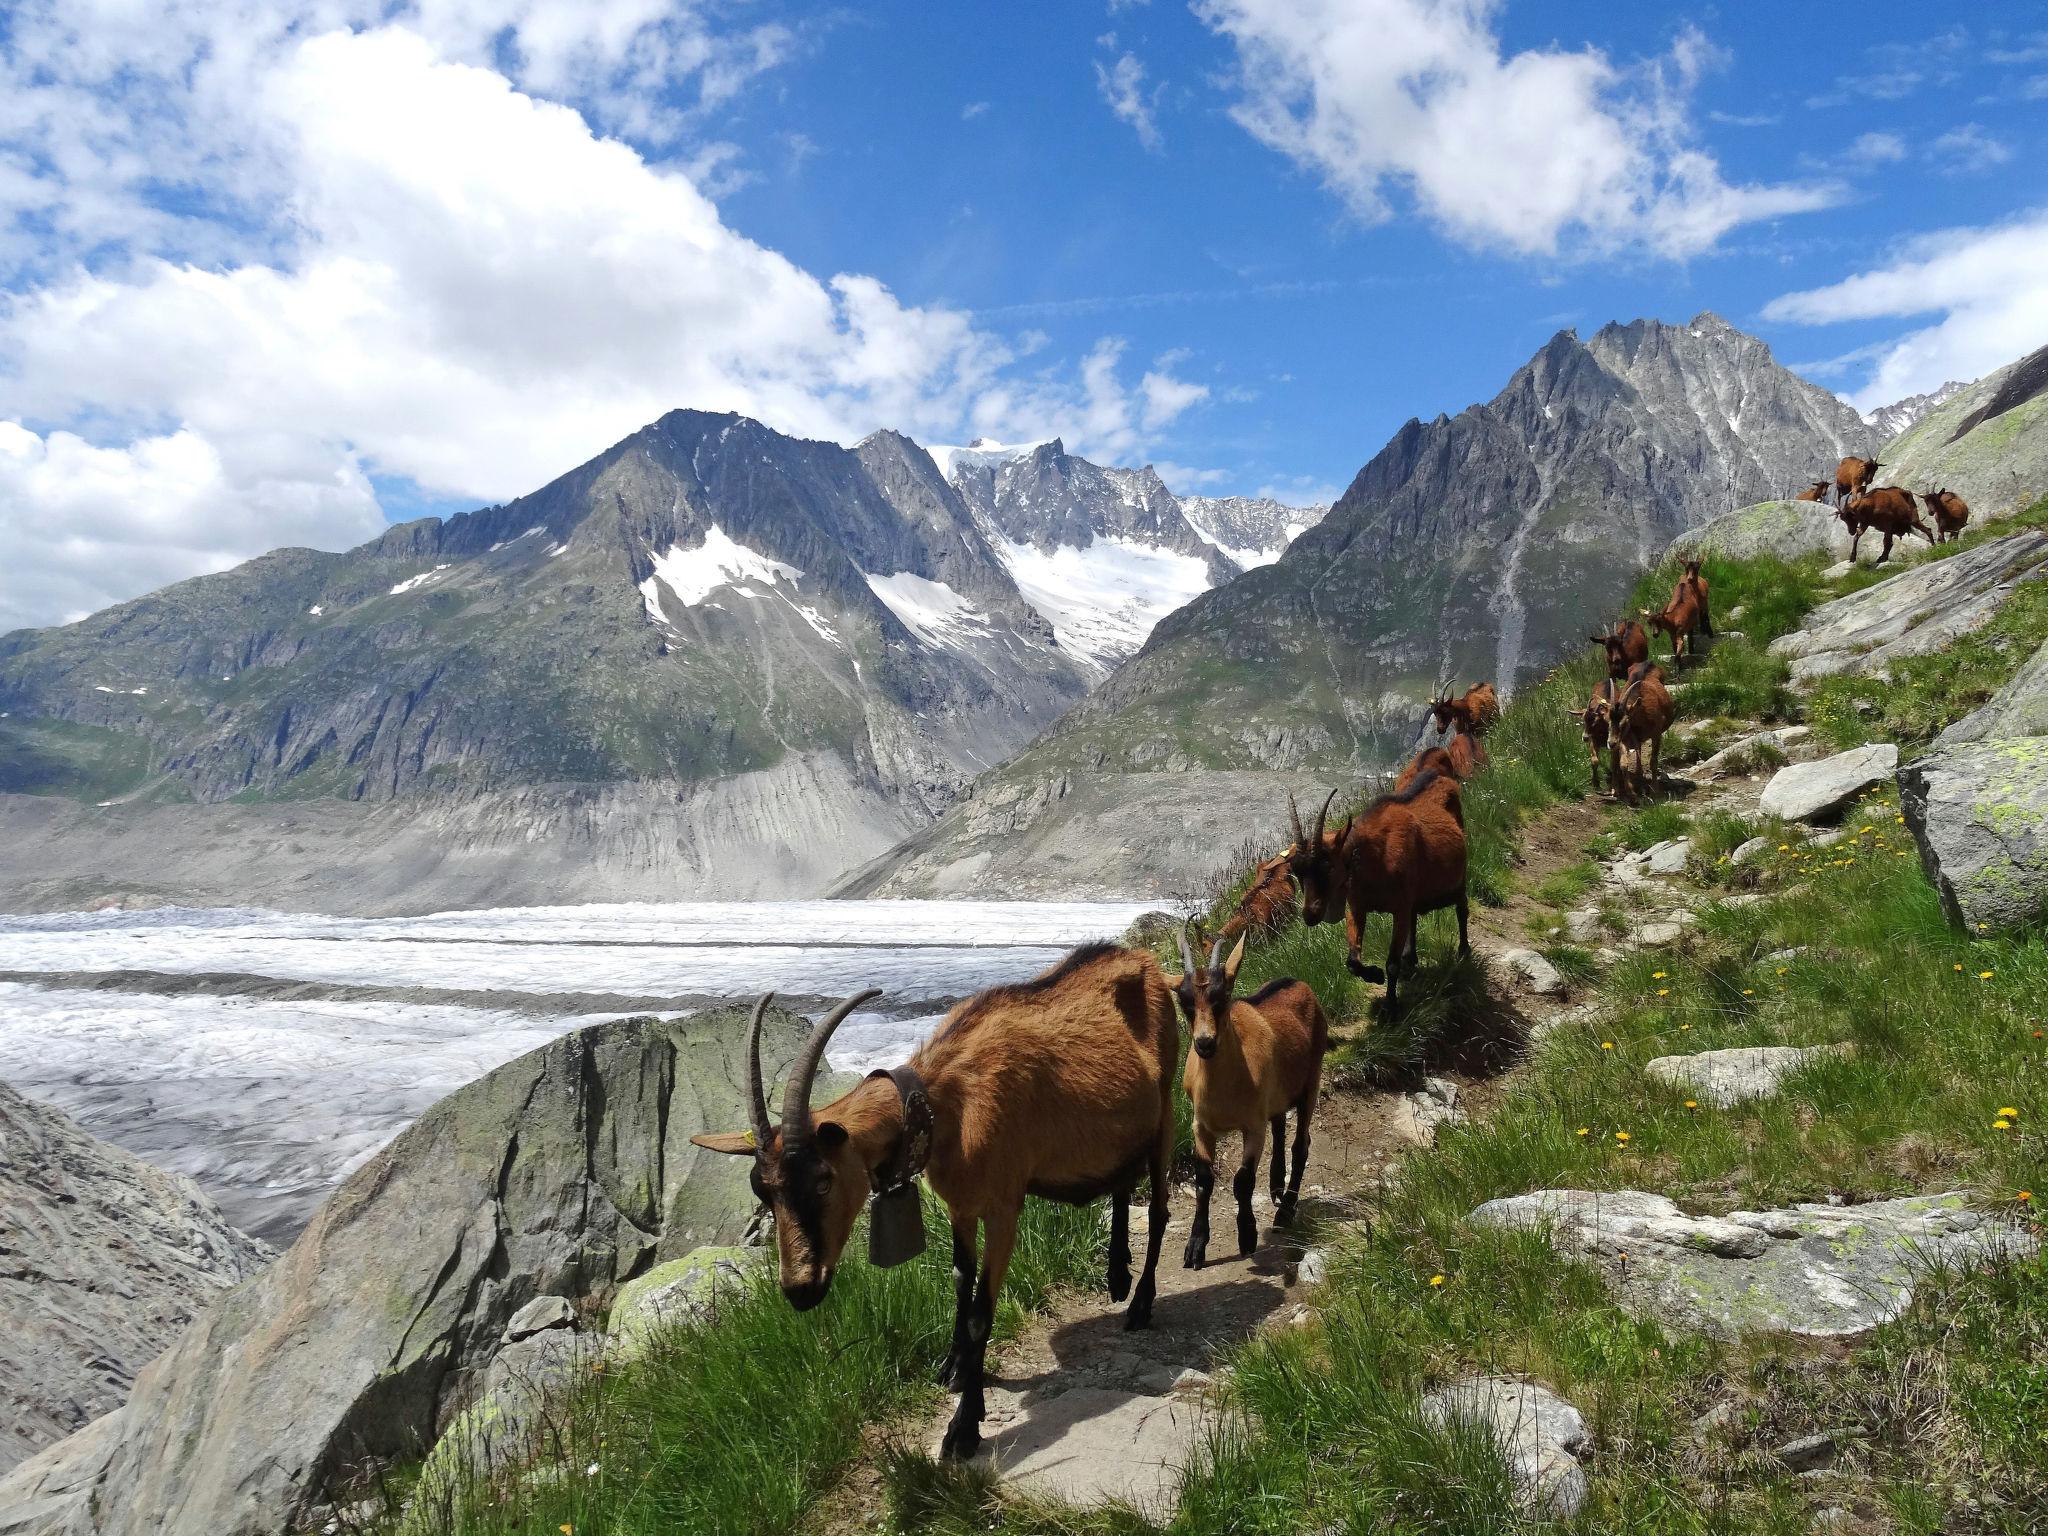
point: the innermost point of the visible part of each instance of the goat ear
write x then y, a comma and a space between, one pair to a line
731, 1143
828, 1135
1231, 964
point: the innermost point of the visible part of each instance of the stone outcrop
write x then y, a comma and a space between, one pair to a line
1726, 1078
1786, 529
2020, 708
565, 1174
103, 1259
1915, 612
1818, 1271
1811, 791
1979, 812
1540, 1436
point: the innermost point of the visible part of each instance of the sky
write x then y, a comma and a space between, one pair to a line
279, 274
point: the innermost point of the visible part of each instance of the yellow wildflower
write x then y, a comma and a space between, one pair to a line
1585, 1130
1985, 975
1606, 1045
1621, 1136
1663, 991
1436, 1279
2009, 1114
2001, 1125
1692, 1103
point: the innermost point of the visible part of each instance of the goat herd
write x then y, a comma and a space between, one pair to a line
1063, 1086
1886, 509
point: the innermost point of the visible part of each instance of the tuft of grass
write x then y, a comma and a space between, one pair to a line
1647, 825
1563, 887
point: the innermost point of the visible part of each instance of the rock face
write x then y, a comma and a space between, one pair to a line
1979, 811
103, 1259
709, 615
2020, 708
1786, 529
1988, 442
679, 1292
1539, 1434
1469, 547
1726, 1078
1252, 530
1807, 791
562, 1174
1819, 1271
1888, 421
1914, 612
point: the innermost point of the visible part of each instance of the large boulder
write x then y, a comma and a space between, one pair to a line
1808, 791
1729, 1077
564, 1173
1920, 610
1979, 811
1540, 1436
1819, 1271
2020, 708
103, 1259
1786, 529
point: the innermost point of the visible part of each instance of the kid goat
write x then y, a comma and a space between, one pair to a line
1248, 1064
1686, 614
1404, 855
1060, 1087
1597, 721
1949, 511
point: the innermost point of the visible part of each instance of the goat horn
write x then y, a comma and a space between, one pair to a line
1216, 956
1320, 815
757, 1096
1187, 958
1294, 816
796, 1098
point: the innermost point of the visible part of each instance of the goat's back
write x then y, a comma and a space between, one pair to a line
1060, 1084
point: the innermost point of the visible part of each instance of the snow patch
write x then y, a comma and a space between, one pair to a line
413, 581
315, 611
694, 574
929, 609
536, 528
982, 451
1103, 600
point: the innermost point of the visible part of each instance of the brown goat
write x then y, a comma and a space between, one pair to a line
1473, 713
1460, 757
1853, 477
1597, 720
1949, 511
1681, 616
1888, 510
1060, 1087
1628, 644
1266, 902
1640, 718
1248, 1063
1818, 491
1697, 579
1404, 855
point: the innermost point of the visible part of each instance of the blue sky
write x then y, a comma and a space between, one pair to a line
273, 274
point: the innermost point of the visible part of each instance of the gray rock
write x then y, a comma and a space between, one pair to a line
1314, 1267
1979, 812
1817, 1271
1540, 1436
1749, 852
563, 1173
681, 1293
1536, 974
2020, 708
1583, 926
539, 1315
1418, 1116
1806, 1453
1739, 754
1805, 791
1917, 611
103, 1259
1090, 1445
1668, 857
1786, 529
1726, 1078
1665, 931
1840, 568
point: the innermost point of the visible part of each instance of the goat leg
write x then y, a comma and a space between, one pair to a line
1353, 932
963, 1302
1120, 1245
1302, 1111
1242, 1186
1139, 1314
1464, 921
1278, 1128
1886, 553
963, 1435
1197, 1249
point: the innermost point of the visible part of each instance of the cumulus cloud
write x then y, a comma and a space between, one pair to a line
1537, 153
469, 287
1988, 286
1969, 149
1122, 85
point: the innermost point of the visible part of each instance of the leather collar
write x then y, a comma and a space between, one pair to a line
914, 1147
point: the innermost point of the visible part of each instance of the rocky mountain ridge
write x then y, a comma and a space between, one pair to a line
1890, 420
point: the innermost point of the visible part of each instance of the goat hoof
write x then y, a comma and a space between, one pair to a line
961, 1442
949, 1371
1283, 1211
1247, 1239
1193, 1255
1138, 1316
1119, 1284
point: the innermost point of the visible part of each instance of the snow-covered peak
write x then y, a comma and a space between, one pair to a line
984, 451
1251, 530
1902, 415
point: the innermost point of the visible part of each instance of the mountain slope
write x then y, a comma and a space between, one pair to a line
713, 660
1988, 441
1251, 530
1470, 546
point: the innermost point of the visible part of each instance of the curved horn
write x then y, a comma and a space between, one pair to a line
796, 1098
1187, 958
757, 1096
1215, 956
1294, 816
1321, 815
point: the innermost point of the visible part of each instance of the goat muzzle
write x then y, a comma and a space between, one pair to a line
1205, 1046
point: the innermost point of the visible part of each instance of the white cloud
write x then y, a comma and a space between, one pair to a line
1122, 85
972, 110
1877, 149
1989, 286
1535, 153
473, 290
1969, 149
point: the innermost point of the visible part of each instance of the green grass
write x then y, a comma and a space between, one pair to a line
77, 762
734, 1429
1926, 693
1741, 678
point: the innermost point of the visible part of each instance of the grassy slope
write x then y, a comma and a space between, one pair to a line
1952, 1399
